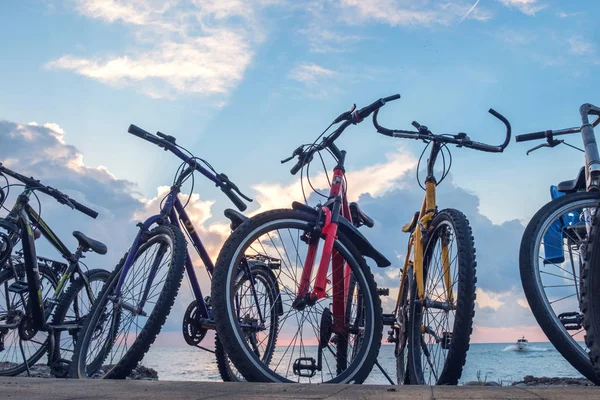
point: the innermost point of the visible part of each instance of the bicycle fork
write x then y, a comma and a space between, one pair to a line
334, 322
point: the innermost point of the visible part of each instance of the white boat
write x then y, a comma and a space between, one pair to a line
522, 344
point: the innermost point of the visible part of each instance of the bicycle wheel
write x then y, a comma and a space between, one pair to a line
551, 261
400, 330
13, 308
442, 322
70, 314
590, 294
306, 349
265, 285
121, 326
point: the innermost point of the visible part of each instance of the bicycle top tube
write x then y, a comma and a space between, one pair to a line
168, 142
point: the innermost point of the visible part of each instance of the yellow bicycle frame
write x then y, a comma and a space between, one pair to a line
414, 253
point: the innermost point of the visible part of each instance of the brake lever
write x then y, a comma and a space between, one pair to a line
232, 186
64, 199
299, 150
551, 143
345, 116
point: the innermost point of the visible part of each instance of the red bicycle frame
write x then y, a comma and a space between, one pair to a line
340, 273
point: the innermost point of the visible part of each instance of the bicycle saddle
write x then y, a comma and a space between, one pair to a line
236, 218
574, 185
90, 244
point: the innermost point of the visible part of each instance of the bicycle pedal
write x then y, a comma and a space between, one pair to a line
305, 367
18, 287
392, 337
388, 319
383, 291
571, 321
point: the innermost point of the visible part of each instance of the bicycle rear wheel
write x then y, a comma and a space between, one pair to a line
307, 349
265, 285
70, 314
551, 263
13, 309
121, 326
442, 322
590, 305
400, 329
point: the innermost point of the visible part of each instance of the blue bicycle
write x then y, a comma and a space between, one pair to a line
136, 300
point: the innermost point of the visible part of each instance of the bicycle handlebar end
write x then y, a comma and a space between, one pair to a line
508, 130
137, 131
391, 98
83, 209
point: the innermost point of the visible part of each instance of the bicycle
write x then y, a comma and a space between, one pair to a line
426, 355
554, 247
39, 310
135, 302
354, 322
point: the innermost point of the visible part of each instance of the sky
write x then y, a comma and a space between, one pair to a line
243, 83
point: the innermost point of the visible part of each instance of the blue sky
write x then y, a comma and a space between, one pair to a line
243, 83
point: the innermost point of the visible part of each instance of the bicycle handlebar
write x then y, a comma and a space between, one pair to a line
34, 184
168, 142
351, 117
550, 133
461, 139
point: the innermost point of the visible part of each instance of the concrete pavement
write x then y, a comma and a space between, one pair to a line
55, 389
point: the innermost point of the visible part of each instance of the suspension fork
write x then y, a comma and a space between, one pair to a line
313, 247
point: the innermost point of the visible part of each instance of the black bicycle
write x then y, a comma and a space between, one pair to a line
39, 311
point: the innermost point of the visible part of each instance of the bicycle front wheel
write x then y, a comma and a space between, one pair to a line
123, 324
551, 263
442, 321
307, 348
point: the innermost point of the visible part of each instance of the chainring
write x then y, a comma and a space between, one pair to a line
27, 331
193, 332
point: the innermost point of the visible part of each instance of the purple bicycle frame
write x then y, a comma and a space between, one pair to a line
175, 212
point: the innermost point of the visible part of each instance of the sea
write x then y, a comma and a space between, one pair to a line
497, 362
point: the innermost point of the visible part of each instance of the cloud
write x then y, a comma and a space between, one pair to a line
326, 40
529, 7
41, 152
175, 46
580, 47
563, 14
408, 13
310, 73
375, 180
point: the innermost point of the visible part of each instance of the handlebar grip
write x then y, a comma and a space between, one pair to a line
376, 105
297, 167
532, 136
139, 132
234, 199
391, 98
485, 147
81, 208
